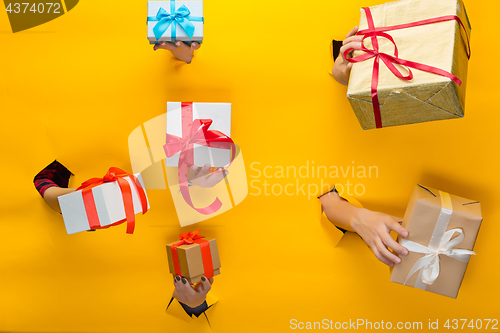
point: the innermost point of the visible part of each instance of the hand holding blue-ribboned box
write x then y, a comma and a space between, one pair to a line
170, 21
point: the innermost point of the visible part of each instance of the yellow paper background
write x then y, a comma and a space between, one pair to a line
74, 88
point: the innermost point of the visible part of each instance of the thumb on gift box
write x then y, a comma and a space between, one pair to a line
206, 284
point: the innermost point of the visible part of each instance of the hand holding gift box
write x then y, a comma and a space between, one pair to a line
191, 141
147, 155
424, 47
193, 262
193, 257
442, 232
347, 214
104, 202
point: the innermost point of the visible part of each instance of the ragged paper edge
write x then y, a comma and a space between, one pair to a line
336, 234
428, 190
425, 188
175, 309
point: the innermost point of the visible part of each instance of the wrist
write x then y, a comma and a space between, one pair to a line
192, 304
357, 219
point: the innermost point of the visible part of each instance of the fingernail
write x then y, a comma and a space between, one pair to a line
203, 278
405, 234
178, 43
178, 277
405, 253
206, 167
398, 260
162, 43
184, 281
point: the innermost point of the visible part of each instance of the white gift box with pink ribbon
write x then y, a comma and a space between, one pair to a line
180, 116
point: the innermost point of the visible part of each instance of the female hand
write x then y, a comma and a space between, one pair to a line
204, 177
185, 293
342, 67
180, 50
375, 228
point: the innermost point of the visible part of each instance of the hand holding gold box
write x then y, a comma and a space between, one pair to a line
412, 66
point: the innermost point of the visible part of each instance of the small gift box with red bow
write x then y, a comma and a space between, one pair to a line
170, 21
442, 232
193, 257
104, 202
412, 67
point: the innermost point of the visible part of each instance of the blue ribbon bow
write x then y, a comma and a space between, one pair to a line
179, 16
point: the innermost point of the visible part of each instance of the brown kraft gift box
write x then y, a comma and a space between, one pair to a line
430, 216
427, 96
191, 262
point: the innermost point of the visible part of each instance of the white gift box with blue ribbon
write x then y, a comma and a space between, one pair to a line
170, 21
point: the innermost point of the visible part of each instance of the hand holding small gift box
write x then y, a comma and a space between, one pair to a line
198, 134
442, 232
193, 262
104, 202
209, 176
176, 26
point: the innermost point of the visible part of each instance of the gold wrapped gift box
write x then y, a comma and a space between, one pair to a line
427, 96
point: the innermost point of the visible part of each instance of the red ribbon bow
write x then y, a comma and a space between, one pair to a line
113, 174
206, 254
390, 60
195, 132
